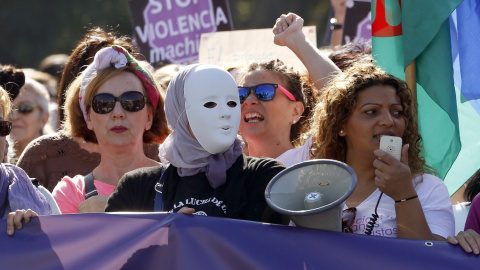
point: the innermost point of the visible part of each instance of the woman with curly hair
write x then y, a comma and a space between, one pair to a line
275, 116
355, 110
277, 101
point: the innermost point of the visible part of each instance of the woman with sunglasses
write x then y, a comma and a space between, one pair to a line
5, 126
29, 116
16, 190
11, 79
207, 172
276, 105
116, 104
42, 156
277, 101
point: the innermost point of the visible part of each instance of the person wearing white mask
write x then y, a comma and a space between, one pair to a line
207, 172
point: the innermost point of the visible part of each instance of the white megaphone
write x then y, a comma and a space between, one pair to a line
312, 193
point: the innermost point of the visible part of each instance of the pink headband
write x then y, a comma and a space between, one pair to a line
118, 57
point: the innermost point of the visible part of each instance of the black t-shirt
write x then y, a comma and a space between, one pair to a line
195, 192
241, 197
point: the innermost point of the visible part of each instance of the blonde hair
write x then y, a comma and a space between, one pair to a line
164, 74
337, 103
75, 125
5, 102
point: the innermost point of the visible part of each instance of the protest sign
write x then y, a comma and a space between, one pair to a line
168, 31
357, 25
177, 241
234, 48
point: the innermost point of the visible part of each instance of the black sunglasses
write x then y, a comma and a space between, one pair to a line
5, 128
348, 218
25, 108
263, 92
132, 101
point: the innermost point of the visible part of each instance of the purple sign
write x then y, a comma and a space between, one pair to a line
178, 241
357, 26
364, 30
170, 29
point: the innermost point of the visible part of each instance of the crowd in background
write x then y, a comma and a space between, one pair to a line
58, 120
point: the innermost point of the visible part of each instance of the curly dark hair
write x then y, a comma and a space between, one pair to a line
11, 79
83, 54
337, 102
300, 87
346, 55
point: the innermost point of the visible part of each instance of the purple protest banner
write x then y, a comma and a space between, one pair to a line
357, 26
168, 31
178, 241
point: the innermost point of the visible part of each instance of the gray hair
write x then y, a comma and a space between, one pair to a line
39, 91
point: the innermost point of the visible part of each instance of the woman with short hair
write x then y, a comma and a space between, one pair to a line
29, 116
17, 192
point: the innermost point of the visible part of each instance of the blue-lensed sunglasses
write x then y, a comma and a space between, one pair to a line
263, 92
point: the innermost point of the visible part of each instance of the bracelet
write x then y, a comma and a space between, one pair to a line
407, 199
334, 25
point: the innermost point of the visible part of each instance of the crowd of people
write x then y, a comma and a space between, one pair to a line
196, 140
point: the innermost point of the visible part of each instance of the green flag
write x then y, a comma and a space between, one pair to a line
403, 31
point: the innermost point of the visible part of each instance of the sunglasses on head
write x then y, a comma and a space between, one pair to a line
5, 128
263, 92
348, 218
25, 108
131, 101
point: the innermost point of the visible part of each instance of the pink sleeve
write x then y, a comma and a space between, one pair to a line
473, 218
69, 193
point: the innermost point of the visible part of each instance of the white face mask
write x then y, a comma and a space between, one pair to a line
213, 107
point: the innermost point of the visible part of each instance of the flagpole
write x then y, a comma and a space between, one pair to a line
411, 79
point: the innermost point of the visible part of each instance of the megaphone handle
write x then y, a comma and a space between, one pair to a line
373, 219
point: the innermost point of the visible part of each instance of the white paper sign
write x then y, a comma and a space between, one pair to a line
234, 48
